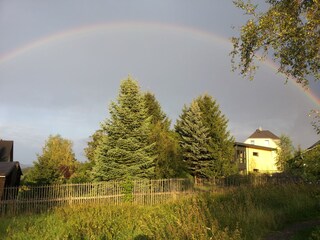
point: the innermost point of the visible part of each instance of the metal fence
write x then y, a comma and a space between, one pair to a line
251, 179
38, 199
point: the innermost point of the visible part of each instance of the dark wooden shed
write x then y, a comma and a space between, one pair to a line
6, 151
10, 173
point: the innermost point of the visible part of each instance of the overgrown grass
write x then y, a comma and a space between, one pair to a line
257, 211
312, 233
241, 213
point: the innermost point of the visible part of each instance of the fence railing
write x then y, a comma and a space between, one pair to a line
38, 199
252, 180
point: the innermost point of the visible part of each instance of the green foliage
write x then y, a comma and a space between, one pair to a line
56, 164
127, 186
315, 234
125, 151
203, 124
307, 164
315, 114
184, 220
154, 110
285, 152
93, 144
287, 29
81, 173
241, 213
194, 141
26, 175
221, 143
168, 160
259, 210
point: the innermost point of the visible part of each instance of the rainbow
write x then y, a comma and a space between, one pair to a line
306, 90
89, 29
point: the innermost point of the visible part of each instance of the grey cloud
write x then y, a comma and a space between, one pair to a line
65, 86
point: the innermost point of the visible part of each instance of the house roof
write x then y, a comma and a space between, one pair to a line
314, 145
254, 146
6, 151
7, 167
259, 133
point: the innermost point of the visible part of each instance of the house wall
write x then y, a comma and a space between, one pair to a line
2, 183
14, 178
265, 142
241, 158
261, 160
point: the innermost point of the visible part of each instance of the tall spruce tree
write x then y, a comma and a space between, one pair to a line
155, 111
194, 141
167, 162
125, 151
221, 143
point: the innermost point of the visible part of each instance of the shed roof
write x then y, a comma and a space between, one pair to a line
263, 134
254, 146
7, 167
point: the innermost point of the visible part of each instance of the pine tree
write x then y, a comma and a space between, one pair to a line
167, 162
125, 151
93, 144
221, 143
194, 141
154, 110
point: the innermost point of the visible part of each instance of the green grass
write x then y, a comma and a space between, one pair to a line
312, 233
257, 211
241, 213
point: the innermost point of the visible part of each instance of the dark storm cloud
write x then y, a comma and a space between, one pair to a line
65, 85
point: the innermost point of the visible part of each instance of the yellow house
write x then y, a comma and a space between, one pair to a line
258, 153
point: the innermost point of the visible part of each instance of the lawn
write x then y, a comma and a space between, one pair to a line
237, 213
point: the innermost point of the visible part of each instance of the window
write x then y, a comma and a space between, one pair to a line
252, 141
241, 156
256, 154
267, 142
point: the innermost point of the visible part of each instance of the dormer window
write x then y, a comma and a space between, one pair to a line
252, 141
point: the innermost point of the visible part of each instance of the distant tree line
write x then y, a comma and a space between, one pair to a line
297, 162
137, 142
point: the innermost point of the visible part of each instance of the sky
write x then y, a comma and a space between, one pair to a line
61, 63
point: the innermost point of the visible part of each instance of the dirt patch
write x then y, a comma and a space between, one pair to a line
291, 230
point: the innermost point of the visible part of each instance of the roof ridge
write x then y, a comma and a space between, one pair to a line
259, 133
